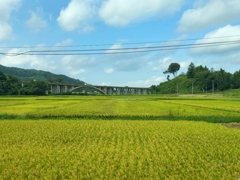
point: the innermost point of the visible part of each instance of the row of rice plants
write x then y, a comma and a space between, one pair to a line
114, 108
226, 105
22, 106
120, 149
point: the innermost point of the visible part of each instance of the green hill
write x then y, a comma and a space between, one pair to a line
199, 79
32, 74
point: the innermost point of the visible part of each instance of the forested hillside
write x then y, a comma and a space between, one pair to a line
11, 85
32, 74
199, 79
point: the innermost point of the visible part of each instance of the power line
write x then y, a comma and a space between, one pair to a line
98, 51
121, 50
108, 44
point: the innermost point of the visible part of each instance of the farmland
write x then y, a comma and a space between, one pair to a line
122, 107
122, 137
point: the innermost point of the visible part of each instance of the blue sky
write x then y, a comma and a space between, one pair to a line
40, 25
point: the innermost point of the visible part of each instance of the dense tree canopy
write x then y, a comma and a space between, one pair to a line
10, 85
199, 79
173, 69
34, 88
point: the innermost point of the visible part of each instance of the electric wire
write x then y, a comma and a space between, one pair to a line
129, 43
141, 49
124, 52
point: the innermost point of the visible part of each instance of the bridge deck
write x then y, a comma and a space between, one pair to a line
57, 88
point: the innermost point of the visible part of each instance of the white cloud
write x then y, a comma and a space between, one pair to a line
235, 58
80, 14
114, 48
109, 70
184, 64
6, 8
126, 59
5, 31
229, 32
155, 80
77, 72
212, 13
163, 64
36, 23
28, 62
77, 16
66, 42
118, 49
124, 12
78, 61
133, 64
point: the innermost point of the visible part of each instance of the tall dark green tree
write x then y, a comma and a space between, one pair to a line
191, 69
222, 79
236, 79
173, 69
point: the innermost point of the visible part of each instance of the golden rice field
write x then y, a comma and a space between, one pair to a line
136, 137
120, 107
118, 149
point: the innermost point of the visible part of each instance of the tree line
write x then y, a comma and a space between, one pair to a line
11, 85
198, 79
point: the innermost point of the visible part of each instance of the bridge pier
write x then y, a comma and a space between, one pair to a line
118, 91
110, 91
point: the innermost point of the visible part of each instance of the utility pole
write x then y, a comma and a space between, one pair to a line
192, 88
212, 87
177, 89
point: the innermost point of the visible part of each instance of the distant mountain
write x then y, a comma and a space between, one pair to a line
32, 74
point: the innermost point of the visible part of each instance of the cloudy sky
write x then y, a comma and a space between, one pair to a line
119, 42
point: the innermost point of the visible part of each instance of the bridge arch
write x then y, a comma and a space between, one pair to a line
89, 86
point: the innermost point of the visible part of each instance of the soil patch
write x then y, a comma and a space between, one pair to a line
232, 125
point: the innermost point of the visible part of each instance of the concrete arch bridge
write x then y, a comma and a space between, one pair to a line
57, 88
